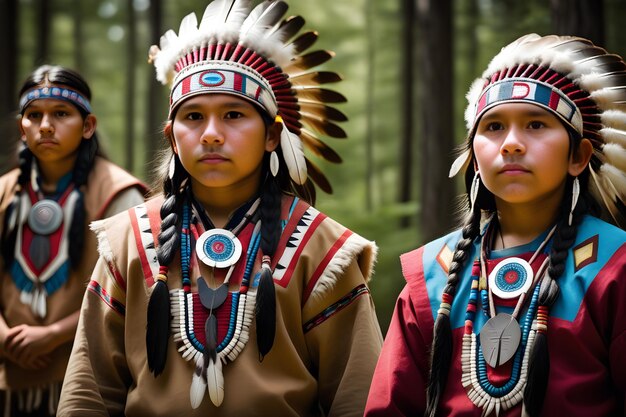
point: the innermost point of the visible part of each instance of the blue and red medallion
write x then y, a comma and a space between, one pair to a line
511, 278
218, 248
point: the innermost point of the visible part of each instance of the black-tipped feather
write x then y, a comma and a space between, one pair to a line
319, 148
158, 327
322, 110
304, 41
310, 60
324, 127
319, 77
321, 94
318, 177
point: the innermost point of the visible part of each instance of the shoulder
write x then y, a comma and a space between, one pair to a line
106, 181
320, 244
7, 186
433, 258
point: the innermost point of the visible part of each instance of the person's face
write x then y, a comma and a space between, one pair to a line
523, 153
220, 140
53, 129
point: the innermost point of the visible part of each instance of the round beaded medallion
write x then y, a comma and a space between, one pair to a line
45, 217
511, 278
218, 248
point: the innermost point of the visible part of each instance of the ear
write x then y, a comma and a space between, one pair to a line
273, 136
89, 126
21, 129
167, 131
580, 159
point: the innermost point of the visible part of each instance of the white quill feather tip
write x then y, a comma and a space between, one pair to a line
615, 155
198, 384
215, 382
259, 24
293, 154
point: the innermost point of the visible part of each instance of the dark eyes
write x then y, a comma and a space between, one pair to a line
495, 126
228, 115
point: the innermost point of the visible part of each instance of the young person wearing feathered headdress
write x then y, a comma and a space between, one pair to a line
522, 312
229, 294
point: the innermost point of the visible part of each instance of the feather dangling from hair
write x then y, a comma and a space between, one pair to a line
158, 327
198, 383
265, 312
215, 381
460, 163
293, 154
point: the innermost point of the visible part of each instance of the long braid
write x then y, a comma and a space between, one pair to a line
265, 309
87, 151
158, 319
441, 352
9, 236
539, 363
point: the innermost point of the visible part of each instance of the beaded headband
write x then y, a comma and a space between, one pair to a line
577, 81
256, 54
523, 90
58, 93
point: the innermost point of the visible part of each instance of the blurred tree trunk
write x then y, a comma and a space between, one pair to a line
435, 116
579, 17
407, 76
155, 106
43, 24
78, 36
8, 81
131, 40
370, 105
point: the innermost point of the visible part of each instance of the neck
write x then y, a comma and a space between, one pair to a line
522, 223
220, 203
51, 172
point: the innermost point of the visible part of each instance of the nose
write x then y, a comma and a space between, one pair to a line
212, 133
46, 124
513, 142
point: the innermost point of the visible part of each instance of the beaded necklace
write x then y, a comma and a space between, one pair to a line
474, 366
41, 264
208, 373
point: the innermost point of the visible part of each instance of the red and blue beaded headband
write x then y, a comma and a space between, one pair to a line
226, 78
527, 90
58, 93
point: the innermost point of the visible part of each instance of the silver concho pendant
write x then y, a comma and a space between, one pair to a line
511, 278
218, 248
499, 339
45, 217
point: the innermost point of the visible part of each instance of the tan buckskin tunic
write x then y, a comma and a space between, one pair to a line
106, 184
327, 335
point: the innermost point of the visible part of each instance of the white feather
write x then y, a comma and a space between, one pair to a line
198, 384
615, 155
606, 98
617, 180
460, 163
615, 119
293, 154
215, 382
597, 189
222, 20
259, 23
611, 135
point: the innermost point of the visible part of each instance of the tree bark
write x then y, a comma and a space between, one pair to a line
79, 59
155, 107
435, 114
8, 81
44, 19
407, 77
130, 86
583, 18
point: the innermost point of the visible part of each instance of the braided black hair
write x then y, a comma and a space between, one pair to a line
86, 153
565, 235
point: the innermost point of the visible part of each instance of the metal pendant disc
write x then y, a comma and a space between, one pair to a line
499, 339
511, 278
218, 248
45, 217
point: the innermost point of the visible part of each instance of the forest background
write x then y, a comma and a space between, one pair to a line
406, 64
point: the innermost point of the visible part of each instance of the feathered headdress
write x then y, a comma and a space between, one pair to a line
577, 81
257, 55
